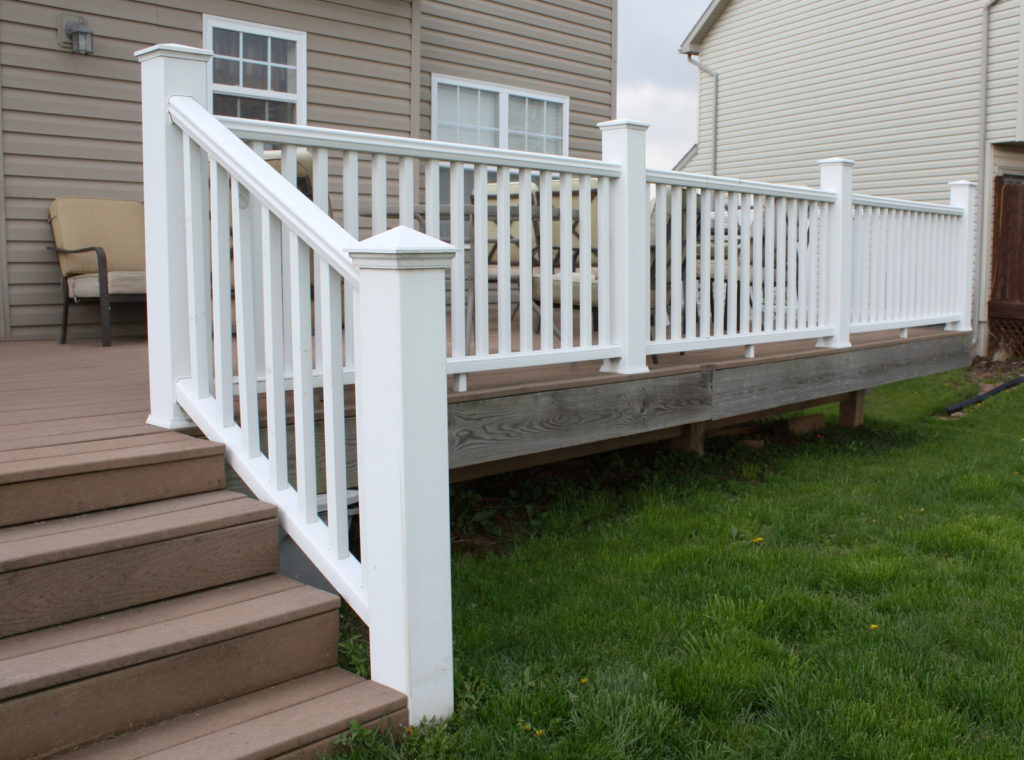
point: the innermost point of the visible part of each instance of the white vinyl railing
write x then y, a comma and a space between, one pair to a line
907, 264
249, 278
516, 221
263, 311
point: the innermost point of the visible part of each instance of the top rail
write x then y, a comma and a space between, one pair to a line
728, 184
897, 204
278, 195
337, 139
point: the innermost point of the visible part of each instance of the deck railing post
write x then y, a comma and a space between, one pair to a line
402, 440
837, 290
625, 143
167, 70
963, 194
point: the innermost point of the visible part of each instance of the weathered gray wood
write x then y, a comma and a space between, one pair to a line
515, 426
851, 411
755, 387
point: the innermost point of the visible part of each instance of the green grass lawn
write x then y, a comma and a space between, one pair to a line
855, 594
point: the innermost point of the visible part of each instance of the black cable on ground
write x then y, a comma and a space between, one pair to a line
983, 396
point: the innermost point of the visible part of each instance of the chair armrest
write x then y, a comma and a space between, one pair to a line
101, 264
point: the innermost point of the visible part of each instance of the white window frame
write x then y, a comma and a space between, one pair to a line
298, 37
503, 92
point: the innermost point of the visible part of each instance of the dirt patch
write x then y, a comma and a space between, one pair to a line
988, 373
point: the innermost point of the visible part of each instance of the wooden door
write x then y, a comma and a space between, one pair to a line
1006, 299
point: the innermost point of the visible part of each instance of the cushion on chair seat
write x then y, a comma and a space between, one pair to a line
118, 283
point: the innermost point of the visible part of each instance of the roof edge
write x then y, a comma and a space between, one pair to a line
707, 20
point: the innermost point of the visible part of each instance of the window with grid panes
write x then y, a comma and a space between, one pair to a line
257, 72
499, 117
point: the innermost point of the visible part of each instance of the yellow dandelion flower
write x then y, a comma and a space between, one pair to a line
539, 732
874, 626
758, 540
584, 680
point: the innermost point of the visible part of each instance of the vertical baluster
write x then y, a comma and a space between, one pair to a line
525, 260
660, 259
197, 265
746, 224
289, 170
781, 273
243, 247
220, 231
792, 226
732, 218
770, 277
457, 224
350, 202
676, 274
256, 235
707, 199
546, 263
273, 341
335, 468
586, 263
565, 267
504, 262
322, 198
757, 275
406, 191
720, 255
802, 257
302, 373
481, 286
432, 198
877, 266
916, 269
813, 264
885, 241
378, 193
691, 262
603, 254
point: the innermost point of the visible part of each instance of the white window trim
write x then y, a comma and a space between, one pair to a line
504, 92
299, 38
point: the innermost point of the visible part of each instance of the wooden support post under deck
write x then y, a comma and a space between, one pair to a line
691, 440
851, 410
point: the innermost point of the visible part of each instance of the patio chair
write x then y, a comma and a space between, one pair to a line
101, 249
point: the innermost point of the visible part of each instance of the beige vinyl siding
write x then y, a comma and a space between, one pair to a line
71, 123
564, 48
892, 85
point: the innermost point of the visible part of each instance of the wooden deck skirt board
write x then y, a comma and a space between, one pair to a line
573, 421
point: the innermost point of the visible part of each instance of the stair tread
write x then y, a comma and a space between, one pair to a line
264, 724
26, 453
81, 429
100, 459
35, 544
41, 659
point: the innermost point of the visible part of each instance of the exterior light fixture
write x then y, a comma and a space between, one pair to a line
80, 35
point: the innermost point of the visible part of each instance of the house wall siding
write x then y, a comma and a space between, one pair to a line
71, 124
893, 86
565, 48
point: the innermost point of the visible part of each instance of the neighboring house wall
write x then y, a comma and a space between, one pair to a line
892, 85
70, 124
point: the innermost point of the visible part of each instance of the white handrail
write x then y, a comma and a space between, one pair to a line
898, 204
729, 184
338, 139
274, 192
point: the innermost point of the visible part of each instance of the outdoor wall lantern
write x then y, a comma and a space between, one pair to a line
75, 34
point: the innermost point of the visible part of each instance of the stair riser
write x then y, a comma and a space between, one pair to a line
44, 499
74, 714
394, 723
73, 589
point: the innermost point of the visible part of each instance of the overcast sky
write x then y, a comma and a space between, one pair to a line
656, 84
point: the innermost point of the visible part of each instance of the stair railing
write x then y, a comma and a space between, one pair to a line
234, 325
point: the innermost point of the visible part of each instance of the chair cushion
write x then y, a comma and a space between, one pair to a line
117, 226
118, 283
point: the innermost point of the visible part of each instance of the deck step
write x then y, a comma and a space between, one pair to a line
75, 567
298, 719
70, 685
48, 481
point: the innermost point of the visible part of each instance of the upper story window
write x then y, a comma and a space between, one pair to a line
499, 117
257, 72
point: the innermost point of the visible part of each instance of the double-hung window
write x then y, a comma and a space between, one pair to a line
257, 71
499, 117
